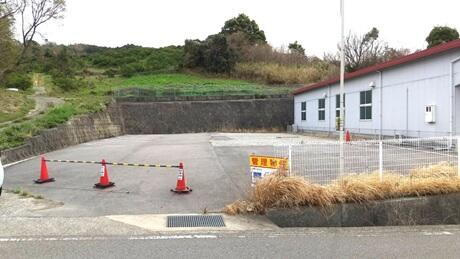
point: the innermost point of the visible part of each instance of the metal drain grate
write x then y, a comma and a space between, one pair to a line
191, 221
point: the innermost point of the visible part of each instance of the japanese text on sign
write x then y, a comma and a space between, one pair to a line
268, 162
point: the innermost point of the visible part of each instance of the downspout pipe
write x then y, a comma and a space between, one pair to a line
452, 97
381, 105
329, 101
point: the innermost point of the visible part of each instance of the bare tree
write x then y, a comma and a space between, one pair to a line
9, 7
33, 14
365, 50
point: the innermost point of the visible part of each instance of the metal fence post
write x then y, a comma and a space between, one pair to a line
290, 160
381, 160
458, 155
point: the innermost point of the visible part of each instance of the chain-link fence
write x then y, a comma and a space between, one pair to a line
320, 163
198, 91
367, 133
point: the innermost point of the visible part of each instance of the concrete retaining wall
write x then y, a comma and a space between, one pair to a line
78, 130
428, 210
206, 116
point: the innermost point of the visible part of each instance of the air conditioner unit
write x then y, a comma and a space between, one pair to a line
430, 113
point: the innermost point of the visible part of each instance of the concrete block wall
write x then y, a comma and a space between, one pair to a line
206, 116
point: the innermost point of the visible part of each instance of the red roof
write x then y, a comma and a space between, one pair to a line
379, 67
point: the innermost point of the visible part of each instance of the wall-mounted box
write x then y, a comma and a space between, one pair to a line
430, 113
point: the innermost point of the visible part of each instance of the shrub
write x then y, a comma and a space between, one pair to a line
128, 70
18, 80
110, 72
218, 57
16, 134
56, 116
66, 83
214, 54
136, 59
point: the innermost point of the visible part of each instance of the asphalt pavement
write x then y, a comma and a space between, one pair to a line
218, 175
401, 242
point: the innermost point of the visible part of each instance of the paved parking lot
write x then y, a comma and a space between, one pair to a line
216, 166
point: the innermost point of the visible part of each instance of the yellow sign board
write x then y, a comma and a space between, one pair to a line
268, 162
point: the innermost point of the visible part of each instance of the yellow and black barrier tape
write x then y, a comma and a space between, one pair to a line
110, 163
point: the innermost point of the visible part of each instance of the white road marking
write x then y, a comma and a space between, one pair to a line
48, 239
18, 162
443, 233
172, 237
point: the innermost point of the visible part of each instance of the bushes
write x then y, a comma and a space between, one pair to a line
278, 74
66, 83
18, 80
213, 55
56, 116
110, 72
135, 59
15, 135
128, 70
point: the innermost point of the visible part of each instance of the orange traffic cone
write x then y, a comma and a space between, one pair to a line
104, 179
44, 178
347, 136
181, 186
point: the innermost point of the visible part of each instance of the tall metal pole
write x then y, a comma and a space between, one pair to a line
342, 88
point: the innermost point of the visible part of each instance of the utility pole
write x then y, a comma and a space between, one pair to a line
342, 88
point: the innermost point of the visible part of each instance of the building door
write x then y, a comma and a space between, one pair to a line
337, 111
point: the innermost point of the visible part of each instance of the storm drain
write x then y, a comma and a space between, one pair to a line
193, 221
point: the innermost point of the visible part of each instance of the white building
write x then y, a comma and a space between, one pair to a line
415, 95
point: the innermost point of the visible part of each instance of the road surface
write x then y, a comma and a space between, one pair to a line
403, 242
217, 173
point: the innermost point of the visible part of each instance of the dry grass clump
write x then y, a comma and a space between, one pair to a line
278, 74
442, 169
278, 191
287, 192
282, 192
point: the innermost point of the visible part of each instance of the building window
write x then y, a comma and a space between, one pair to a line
337, 105
303, 111
321, 109
365, 105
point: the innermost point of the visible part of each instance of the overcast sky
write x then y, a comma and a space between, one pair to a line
315, 24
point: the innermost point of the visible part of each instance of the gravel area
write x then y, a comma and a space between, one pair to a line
14, 205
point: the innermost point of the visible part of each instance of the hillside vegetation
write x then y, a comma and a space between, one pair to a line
96, 91
14, 105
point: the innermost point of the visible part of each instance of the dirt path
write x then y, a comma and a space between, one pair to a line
42, 101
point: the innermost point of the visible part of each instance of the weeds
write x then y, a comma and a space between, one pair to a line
277, 191
25, 194
14, 105
16, 134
